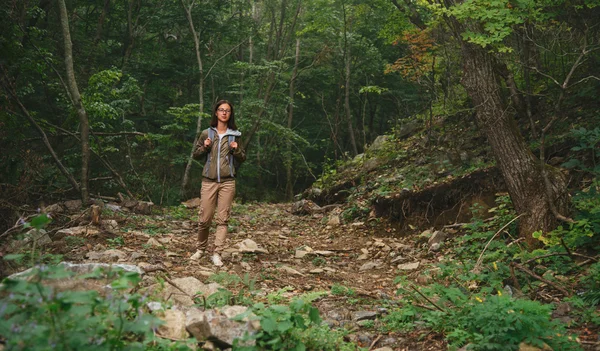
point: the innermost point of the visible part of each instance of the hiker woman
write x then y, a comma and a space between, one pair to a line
220, 143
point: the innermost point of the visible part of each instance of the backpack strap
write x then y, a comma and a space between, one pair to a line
231, 139
211, 136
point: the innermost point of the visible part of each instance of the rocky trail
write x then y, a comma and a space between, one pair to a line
353, 264
348, 267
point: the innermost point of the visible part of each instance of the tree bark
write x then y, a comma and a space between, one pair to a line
74, 90
101, 19
188, 167
289, 187
347, 88
522, 171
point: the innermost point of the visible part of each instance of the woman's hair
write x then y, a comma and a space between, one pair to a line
214, 121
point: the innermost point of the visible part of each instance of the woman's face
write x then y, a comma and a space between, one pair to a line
223, 113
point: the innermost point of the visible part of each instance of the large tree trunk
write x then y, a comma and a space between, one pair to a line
188, 167
74, 90
522, 171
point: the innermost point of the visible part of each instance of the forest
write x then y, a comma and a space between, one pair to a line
379, 123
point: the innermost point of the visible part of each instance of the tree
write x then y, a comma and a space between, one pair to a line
538, 191
84, 124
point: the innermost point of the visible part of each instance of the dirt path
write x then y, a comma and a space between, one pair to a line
355, 263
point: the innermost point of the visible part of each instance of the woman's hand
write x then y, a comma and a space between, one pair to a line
207, 142
233, 145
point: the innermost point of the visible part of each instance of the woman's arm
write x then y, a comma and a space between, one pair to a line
199, 148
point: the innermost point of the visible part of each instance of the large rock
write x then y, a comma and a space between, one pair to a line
175, 325
100, 283
378, 143
217, 325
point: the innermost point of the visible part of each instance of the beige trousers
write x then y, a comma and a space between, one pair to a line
219, 197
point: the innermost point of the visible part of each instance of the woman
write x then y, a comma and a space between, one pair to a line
221, 144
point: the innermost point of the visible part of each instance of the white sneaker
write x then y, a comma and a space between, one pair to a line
216, 259
198, 255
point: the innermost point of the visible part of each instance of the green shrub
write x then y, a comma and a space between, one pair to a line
34, 316
296, 326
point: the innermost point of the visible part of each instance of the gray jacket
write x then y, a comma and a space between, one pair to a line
221, 161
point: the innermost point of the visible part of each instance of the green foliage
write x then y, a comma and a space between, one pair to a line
590, 284
341, 290
488, 320
502, 323
116, 242
296, 326
584, 231
36, 316
587, 144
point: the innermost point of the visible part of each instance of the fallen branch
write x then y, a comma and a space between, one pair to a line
560, 254
426, 298
532, 274
480, 259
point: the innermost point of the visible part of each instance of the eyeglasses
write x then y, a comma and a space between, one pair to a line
223, 110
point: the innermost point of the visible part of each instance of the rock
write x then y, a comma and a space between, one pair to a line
248, 245
317, 271
175, 325
40, 237
300, 253
304, 207
192, 203
153, 243
114, 208
334, 220
435, 247
384, 349
372, 164
364, 315
73, 205
246, 266
437, 237
110, 255
110, 225
378, 143
83, 268
368, 266
143, 207
290, 270
75, 231
154, 306
216, 325
409, 266
54, 208
100, 282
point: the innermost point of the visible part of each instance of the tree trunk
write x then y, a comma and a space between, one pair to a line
347, 89
188, 167
101, 19
74, 90
522, 171
289, 187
